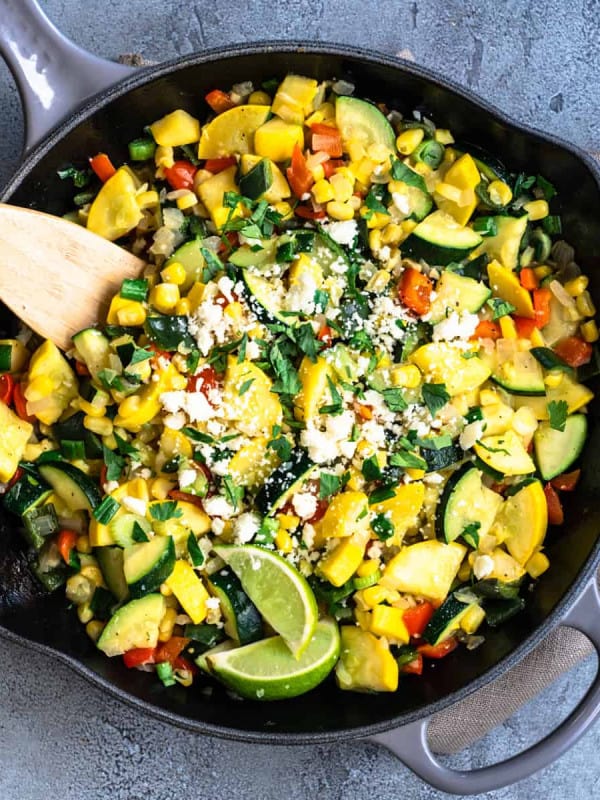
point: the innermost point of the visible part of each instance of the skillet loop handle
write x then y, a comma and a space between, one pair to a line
54, 76
410, 743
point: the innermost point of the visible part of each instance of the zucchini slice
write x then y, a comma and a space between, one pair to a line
149, 564
124, 526
134, 625
110, 561
504, 453
262, 299
522, 521
243, 623
363, 122
522, 375
76, 489
467, 508
505, 245
26, 493
446, 620
439, 240
555, 450
191, 259
457, 293
93, 348
284, 481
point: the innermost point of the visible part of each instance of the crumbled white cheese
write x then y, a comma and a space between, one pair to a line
245, 527
401, 202
455, 326
110, 486
172, 402
217, 525
301, 294
212, 602
209, 326
135, 505
218, 506
186, 477
253, 350
483, 566
308, 535
344, 232
175, 421
305, 504
225, 285
198, 407
471, 433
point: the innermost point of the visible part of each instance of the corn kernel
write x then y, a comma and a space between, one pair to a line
94, 628
443, 136
187, 200
164, 156
553, 378
585, 305
342, 187
508, 327
92, 409
363, 169
356, 150
488, 397
131, 314
259, 99
422, 168
367, 568
375, 219
288, 522
234, 311
392, 234
589, 331
283, 541
196, 295
166, 590
183, 307
537, 564
374, 595
500, 193
164, 297
85, 613
93, 574
472, 619
167, 623
408, 226
536, 209
542, 271
340, 211
464, 571
378, 281
174, 273
325, 112
147, 199
407, 375
375, 240
322, 191
102, 426
83, 544
409, 140
578, 285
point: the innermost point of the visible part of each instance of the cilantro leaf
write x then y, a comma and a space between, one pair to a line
402, 172
195, 553
138, 534
197, 436
306, 340
546, 187
125, 448
500, 308
281, 445
382, 494
471, 534
321, 300
373, 200
558, 411
336, 406
245, 386
212, 265
140, 354
114, 463
407, 460
329, 484
434, 396
370, 469
394, 399
288, 381
383, 527
233, 493
242, 350
165, 510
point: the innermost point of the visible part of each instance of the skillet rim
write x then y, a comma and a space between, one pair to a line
146, 75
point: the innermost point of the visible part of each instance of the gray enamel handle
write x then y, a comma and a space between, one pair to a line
410, 744
54, 76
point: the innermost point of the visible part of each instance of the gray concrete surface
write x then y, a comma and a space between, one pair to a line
63, 739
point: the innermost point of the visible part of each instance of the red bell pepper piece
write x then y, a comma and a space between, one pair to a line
7, 388
487, 329
138, 656
203, 381
524, 326
438, 650
215, 165
541, 306
325, 335
65, 542
171, 650
556, 514
102, 166
81, 369
186, 497
20, 403
309, 213
330, 166
417, 617
528, 279
298, 174
414, 667
327, 139
567, 481
574, 351
415, 291
18, 473
181, 175
219, 101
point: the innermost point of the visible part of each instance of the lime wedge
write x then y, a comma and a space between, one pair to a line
277, 589
266, 670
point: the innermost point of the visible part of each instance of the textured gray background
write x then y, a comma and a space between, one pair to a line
63, 739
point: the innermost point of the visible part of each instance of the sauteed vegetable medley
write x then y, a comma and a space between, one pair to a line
328, 427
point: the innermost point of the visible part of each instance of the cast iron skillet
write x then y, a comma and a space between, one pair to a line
55, 77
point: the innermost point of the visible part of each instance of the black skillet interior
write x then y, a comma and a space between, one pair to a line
26, 613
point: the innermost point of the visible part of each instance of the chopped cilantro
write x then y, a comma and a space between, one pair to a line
383, 527
281, 445
500, 308
242, 350
471, 534
321, 300
233, 493
336, 406
434, 396
195, 553
407, 460
245, 386
138, 534
197, 436
558, 411
165, 510
212, 265
114, 463
402, 172
394, 399
382, 494
370, 469
329, 484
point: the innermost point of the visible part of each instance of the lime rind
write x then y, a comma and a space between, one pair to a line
267, 670
279, 592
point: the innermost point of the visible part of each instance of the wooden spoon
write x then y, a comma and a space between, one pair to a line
57, 276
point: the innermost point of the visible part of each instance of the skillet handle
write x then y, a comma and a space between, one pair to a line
54, 76
410, 743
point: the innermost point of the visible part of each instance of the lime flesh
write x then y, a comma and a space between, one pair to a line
280, 593
267, 670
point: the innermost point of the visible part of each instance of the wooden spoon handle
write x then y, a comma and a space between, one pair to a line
56, 275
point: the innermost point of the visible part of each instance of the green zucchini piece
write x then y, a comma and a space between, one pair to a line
149, 564
505, 245
169, 331
257, 181
283, 482
263, 301
76, 489
521, 375
458, 293
439, 240
443, 458
123, 528
93, 348
361, 121
189, 255
26, 493
243, 623
555, 451
72, 429
467, 508
494, 589
497, 612
40, 522
134, 625
110, 561
445, 621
